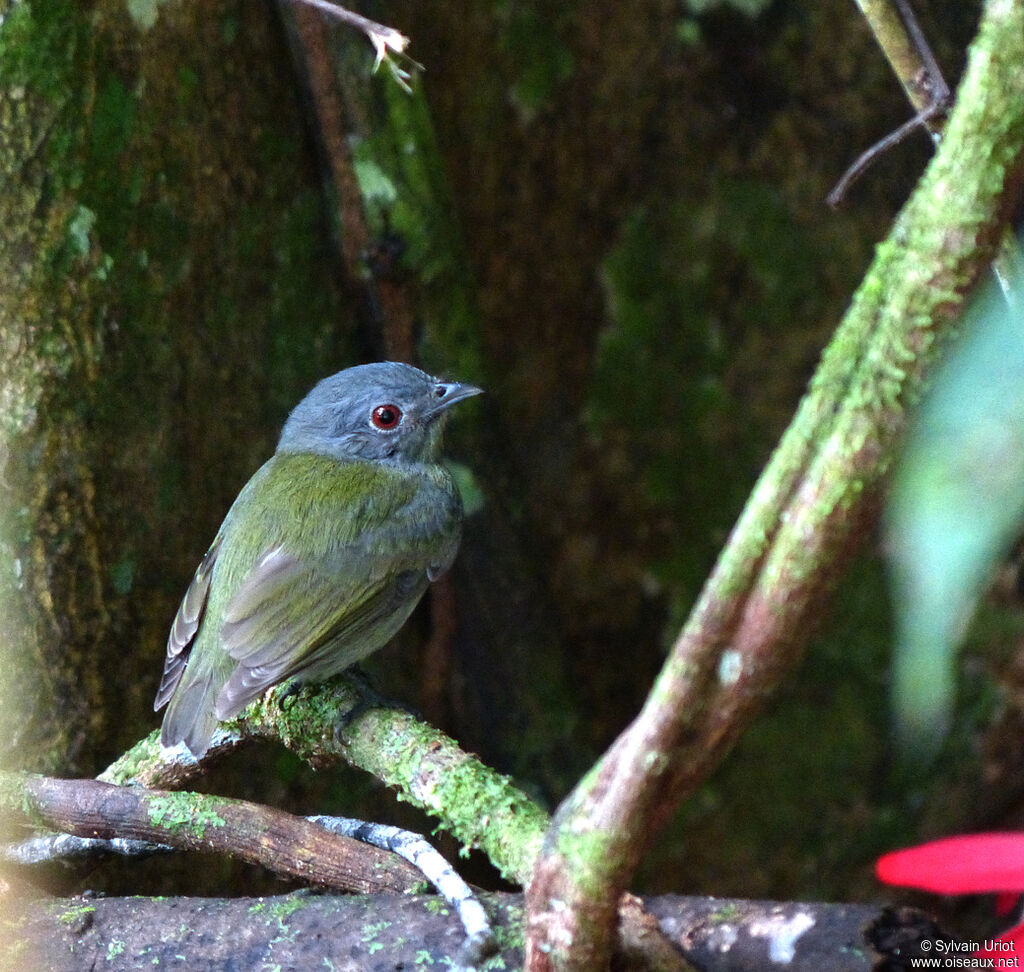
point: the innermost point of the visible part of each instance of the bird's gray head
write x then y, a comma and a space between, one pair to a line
377, 411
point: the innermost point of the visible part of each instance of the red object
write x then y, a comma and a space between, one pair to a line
1013, 947
974, 864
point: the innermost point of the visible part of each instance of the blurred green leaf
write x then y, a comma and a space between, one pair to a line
956, 506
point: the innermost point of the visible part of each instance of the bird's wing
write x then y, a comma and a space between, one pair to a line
295, 617
274, 612
185, 626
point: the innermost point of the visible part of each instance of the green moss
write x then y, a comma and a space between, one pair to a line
176, 812
38, 49
279, 912
369, 935
37, 46
510, 934
466, 795
482, 808
729, 912
284, 908
15, 795
76, 914
135, 763
586, 853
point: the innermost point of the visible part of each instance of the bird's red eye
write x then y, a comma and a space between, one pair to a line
386, 416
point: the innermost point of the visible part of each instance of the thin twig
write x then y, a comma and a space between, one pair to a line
937, 91
868, 158
904, 44
390, 44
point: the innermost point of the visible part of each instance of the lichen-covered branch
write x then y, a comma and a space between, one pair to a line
481, 807
804, 517
284, 843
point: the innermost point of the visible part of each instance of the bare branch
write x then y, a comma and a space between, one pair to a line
412, 847
871, 155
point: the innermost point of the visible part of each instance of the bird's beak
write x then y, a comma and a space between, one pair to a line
447, 393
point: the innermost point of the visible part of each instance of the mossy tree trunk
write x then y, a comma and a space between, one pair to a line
164, 292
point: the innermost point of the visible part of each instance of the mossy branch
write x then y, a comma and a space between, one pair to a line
804, 517
481, 807
284, 843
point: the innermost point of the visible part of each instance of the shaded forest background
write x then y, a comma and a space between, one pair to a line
609, 215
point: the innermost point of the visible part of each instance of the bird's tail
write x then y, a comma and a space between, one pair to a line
189, 717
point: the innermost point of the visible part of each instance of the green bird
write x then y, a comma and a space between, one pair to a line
325, 552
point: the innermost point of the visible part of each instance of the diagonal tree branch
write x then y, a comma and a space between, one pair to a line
481, 807
804, 517
902, 42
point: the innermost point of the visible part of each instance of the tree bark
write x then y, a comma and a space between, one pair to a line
288, 845
159, 216
386, 932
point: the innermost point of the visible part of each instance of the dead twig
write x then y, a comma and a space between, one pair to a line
390, 44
